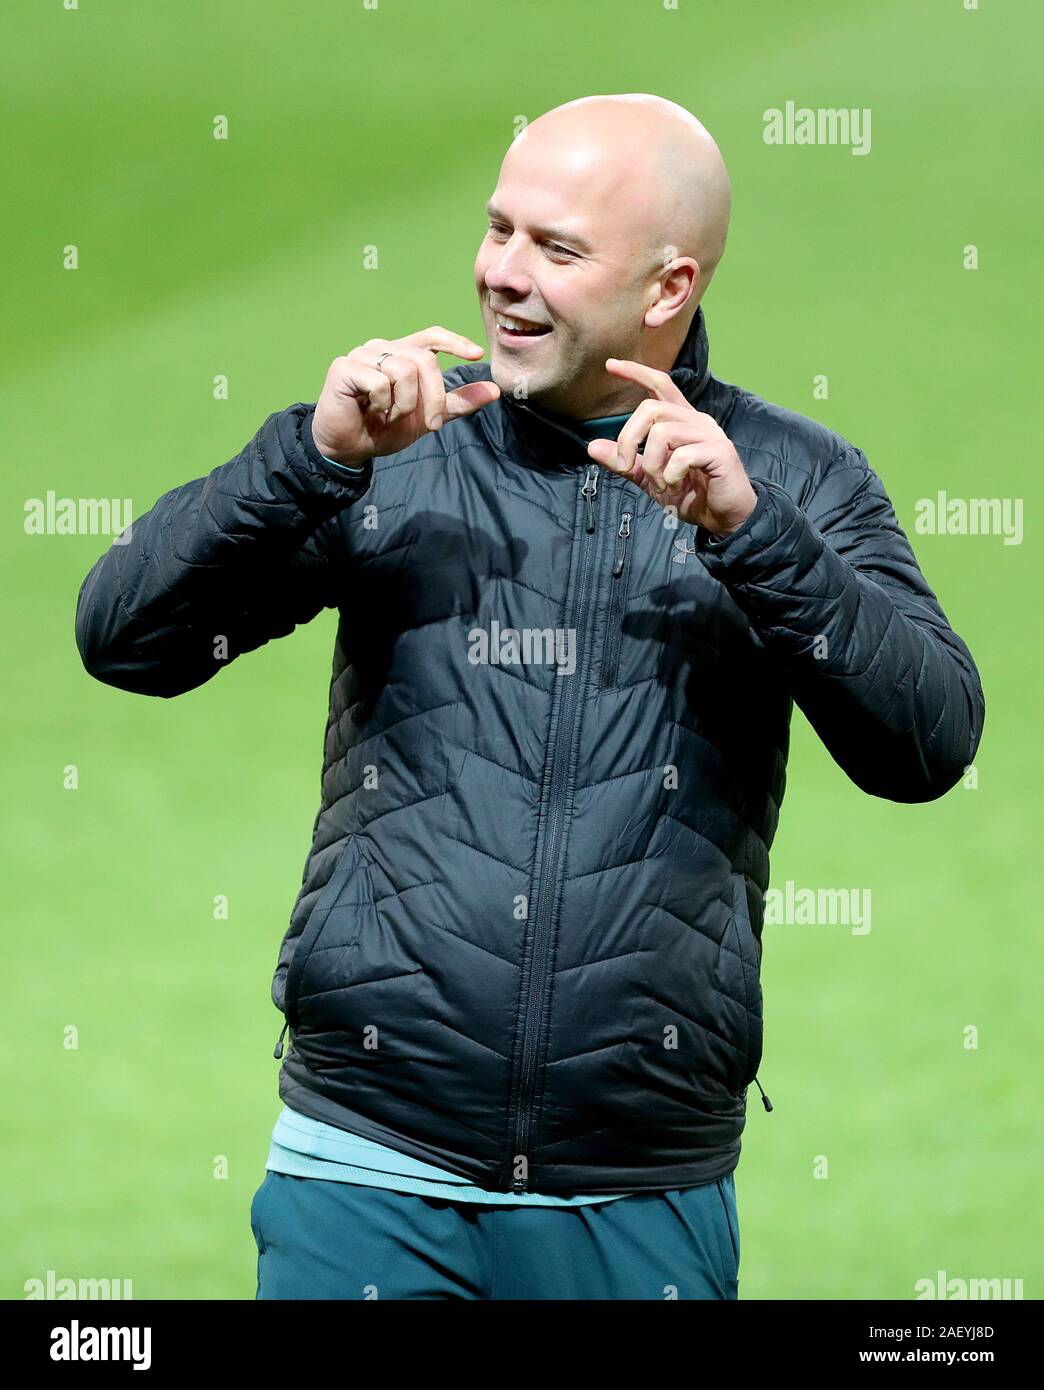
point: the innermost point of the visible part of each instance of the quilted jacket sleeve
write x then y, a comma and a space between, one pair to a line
219, 565
835, 594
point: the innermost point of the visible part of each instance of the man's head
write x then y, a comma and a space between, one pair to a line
605, 227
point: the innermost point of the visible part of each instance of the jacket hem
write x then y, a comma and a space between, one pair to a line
552, 1180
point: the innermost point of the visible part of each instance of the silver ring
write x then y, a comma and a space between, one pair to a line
381, 359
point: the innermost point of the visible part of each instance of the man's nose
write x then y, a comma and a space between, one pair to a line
508, 270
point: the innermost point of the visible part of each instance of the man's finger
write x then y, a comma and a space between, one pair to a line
688, 457
371, 388
654, 457
432, 386
638, 426
659, 384
438, 339
402, 373
664, 436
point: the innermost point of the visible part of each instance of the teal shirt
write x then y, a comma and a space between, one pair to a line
308, 1148
604, 427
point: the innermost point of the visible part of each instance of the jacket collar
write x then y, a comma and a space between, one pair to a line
518, 428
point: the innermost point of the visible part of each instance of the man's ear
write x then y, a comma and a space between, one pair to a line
678, 282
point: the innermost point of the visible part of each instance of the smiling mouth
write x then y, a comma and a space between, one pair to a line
512, 330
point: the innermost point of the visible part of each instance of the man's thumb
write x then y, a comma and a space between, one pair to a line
602, 451
465, 400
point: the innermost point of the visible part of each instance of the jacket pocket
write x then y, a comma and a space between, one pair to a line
749, 949
348, 862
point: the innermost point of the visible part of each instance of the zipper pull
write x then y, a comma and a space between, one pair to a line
764, 1098
623, 533
279, 1045
590, 489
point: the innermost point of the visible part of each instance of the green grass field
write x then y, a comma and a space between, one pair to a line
242, 257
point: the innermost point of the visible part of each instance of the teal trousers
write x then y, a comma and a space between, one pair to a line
335, 1240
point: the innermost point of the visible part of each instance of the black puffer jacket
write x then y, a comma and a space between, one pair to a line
527, 943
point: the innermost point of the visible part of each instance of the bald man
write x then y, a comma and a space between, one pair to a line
580, 587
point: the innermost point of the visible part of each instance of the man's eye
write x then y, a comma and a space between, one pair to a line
496, 229
559, 250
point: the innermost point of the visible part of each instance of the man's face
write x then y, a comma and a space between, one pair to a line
563, 255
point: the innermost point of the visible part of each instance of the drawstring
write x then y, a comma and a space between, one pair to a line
279, 1045
764, 1098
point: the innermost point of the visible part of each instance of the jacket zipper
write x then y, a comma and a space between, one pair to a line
613, 633
564, 743
590, 492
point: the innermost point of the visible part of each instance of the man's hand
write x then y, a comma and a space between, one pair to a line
688, 461
364, 412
